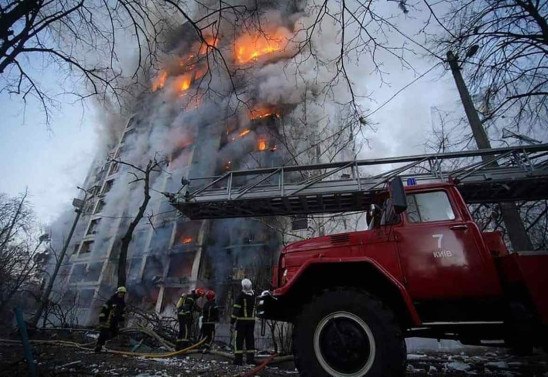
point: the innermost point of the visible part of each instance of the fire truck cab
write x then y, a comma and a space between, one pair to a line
422, 268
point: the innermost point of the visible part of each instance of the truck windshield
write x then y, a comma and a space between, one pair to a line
429, 206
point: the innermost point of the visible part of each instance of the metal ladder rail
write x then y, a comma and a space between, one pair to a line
434, 160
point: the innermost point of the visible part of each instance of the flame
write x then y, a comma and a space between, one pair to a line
186, 240
183, 82
206, 45
244, 132
159, 81
263, 112
251, 47
262, 145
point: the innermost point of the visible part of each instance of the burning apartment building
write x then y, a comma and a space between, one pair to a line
224, 99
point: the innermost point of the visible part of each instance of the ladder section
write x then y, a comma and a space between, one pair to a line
507, 174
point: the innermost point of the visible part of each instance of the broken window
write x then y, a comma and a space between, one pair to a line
93, 272
78, 271
108, 186
93, 225
180, 267
86, 247
134, 271
154, 270
100, 206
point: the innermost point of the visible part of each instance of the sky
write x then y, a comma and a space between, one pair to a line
50, 162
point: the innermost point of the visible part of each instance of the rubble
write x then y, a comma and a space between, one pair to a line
58, 357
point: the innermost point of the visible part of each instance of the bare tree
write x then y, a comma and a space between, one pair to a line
502, 47
144, 175
19, 244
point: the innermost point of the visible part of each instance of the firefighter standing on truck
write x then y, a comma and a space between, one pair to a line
210, 315
111, 317
185, 308
243, 318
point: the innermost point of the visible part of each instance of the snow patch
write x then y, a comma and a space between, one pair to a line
458, 365
415, 356
497, 364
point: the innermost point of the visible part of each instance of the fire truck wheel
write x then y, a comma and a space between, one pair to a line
345, 332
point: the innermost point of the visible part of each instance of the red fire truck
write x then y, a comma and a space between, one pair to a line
421, 268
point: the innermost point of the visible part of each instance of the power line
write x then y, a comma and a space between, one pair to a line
401, 90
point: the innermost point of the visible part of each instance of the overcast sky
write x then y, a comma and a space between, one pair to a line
50, 162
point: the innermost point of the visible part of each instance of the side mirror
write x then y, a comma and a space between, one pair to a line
397, 195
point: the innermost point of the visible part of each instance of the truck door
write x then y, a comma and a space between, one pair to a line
440, 252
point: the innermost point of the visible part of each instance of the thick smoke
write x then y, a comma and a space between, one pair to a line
241, 98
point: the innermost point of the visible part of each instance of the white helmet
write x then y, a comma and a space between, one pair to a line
246, 285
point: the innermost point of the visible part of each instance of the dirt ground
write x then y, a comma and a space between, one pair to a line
57, 360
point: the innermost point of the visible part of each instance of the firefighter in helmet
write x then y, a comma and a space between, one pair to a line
243, 319
210, 316
112, 316
185, 308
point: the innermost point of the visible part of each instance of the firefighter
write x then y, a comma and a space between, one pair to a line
210, 315
243, 320
185, 308
111, 317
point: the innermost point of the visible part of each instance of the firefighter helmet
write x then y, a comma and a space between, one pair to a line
210, 295
121, 290
200, 292
246, 285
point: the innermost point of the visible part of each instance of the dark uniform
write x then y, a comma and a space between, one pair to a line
243, 316
185, 307
210, 316
111, 317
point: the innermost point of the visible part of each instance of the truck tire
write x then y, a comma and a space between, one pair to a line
345, 332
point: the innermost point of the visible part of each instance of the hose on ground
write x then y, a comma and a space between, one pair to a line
136, 354
158, 355
258, 368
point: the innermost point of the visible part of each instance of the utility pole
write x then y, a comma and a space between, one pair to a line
509, 211
79, 205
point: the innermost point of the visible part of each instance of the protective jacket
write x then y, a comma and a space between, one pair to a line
113, 312
187, 303
243, 308
210, 312
243, 316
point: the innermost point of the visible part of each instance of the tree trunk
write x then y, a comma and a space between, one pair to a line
122, 260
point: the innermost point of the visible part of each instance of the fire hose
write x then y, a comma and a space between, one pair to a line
85, 347
258, 368
159, 355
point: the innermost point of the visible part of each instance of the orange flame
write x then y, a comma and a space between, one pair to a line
251, 47
244, 132
263, 112
210, 42
183, 82
159, 81
186, 240
262, 145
